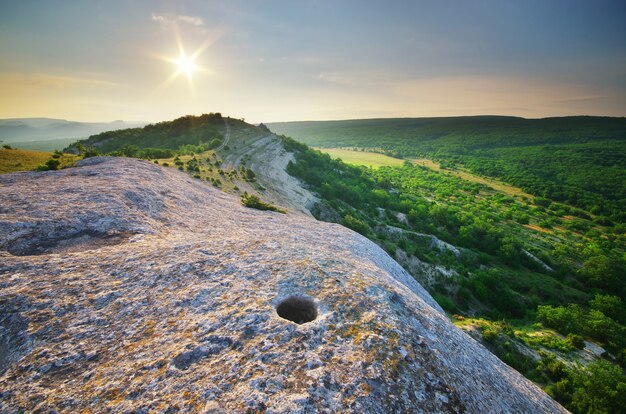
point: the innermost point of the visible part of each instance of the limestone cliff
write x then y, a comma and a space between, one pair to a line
128, 287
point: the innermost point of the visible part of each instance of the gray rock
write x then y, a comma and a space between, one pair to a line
178, 312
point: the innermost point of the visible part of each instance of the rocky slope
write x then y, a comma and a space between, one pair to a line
264, 153
127, 287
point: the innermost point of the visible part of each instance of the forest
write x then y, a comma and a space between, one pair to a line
538, 272
578, 161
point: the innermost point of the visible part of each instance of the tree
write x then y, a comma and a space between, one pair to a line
611, 306
565, 319
81, 148
605, 272
128, 150
601, 388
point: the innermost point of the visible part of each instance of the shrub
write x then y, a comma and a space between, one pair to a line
576, 341
250, 176
253, 201
490, 335
355, 224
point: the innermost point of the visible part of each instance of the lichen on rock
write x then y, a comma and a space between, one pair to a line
180, 312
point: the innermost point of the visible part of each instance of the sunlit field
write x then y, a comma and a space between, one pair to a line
368, 159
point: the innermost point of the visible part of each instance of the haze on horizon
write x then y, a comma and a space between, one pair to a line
271, 61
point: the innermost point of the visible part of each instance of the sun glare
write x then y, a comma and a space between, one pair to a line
185, 65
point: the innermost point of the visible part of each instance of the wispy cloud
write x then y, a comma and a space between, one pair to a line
190, 20
158, 18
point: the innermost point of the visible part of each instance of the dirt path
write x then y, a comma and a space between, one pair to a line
226, 136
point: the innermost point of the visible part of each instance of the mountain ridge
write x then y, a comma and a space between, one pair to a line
19, 130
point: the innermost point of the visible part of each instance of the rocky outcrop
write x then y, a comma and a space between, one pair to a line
265, 155
128, 287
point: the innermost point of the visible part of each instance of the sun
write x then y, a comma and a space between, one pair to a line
185, 65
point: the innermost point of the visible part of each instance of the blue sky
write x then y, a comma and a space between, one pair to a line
296, 60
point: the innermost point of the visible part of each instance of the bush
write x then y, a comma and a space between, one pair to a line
355, 224
53, 164
253, 201
576, 341
250, 176
490, 334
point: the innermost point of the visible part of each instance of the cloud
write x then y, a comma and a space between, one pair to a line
192, 20
158, 18
167, 20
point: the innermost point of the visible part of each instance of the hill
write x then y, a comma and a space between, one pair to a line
159, 292
460, 133
206, 130
230, 154
579, 161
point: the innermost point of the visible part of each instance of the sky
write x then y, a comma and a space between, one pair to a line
268, 61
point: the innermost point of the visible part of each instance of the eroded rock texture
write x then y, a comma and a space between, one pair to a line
128, 287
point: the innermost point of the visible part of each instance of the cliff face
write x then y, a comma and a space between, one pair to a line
125, 287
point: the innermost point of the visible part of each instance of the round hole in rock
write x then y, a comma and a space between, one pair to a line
298, 309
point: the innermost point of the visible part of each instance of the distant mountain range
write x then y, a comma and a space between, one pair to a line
19, 130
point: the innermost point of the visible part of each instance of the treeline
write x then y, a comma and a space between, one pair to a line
198, 131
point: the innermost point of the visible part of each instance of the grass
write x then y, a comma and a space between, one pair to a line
368, 159
12, 160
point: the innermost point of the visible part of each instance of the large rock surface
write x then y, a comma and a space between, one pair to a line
128, 287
